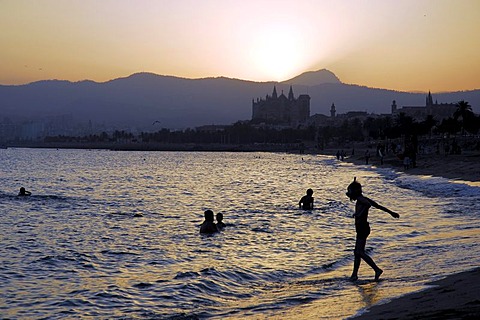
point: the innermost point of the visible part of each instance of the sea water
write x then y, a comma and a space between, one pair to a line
74, 249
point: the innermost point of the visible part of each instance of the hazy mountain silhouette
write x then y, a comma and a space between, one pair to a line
313, 78
138, 100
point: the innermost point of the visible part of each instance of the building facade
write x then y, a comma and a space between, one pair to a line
281, 110
439, 111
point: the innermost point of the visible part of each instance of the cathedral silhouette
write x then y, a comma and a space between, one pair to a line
281, 110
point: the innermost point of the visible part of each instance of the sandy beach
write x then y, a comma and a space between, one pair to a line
454, 297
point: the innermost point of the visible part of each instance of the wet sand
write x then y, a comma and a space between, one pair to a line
454, 297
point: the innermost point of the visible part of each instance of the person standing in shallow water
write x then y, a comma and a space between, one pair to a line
362, 227
208, 226
306, 203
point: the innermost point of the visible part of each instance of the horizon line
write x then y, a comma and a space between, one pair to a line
233, 78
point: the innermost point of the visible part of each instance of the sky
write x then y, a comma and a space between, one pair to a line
407, 45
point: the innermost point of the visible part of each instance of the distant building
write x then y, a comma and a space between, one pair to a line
281, 110
361, 115
211, 128
439, 111
333, 111
32, 130
320, 120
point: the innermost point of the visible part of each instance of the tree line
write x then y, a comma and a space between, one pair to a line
463, 122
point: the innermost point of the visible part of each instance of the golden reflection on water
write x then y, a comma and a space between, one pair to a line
273, 261
345, 304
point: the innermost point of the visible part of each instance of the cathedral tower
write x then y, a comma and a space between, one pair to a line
333, 111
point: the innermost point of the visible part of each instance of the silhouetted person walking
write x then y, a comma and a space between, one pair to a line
362, 227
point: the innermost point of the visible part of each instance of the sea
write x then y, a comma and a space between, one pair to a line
115, 235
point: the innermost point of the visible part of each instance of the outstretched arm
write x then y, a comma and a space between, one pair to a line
376, 205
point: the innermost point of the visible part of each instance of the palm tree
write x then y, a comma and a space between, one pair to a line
404, 123
429, 123
464, 110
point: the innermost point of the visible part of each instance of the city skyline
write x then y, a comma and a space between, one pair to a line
406, 46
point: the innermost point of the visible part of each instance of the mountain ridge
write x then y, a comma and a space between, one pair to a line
133, 101
323, 76
313, 78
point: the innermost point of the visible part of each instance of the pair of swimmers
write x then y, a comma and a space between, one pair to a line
362, 227
209, 226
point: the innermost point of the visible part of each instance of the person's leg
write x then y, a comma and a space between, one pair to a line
369, 260
359, 247
372, 264
360, 254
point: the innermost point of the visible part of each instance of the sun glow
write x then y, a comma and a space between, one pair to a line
388, 44
278, 52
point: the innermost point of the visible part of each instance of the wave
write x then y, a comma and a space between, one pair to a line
429, 185
437, 187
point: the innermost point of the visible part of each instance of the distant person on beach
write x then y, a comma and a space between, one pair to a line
24, 192
380, 154
208, 226
367, 156
306, 203
406, 162
362, 227
220, 224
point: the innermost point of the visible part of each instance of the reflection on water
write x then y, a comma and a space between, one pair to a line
75, 249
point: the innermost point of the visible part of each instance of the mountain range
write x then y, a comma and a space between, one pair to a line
139, 100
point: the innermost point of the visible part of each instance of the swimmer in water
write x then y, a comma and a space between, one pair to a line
24, 192
220, 224
306, 203
208, 226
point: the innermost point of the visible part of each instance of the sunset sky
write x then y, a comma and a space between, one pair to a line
407, 45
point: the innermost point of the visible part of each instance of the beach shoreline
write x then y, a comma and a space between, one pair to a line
458, 167
456, 296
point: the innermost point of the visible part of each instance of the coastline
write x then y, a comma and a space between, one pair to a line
455, 297
458, 167
462, 167
137, 146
